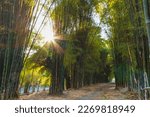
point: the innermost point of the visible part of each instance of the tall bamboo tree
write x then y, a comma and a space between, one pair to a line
15, 18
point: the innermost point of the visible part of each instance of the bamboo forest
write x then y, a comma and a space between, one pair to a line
75, 49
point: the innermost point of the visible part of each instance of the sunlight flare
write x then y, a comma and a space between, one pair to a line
48, 32
49, 36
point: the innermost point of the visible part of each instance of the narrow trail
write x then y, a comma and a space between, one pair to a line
103, 91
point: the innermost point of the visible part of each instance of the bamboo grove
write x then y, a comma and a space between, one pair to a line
78, 60
130, 44
80, 55
15, 18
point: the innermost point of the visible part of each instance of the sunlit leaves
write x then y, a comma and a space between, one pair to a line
29, 2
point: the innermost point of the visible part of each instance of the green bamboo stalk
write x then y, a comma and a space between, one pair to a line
39, 29
13, 39
147, 17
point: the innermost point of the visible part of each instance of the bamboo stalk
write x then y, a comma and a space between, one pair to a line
147, 18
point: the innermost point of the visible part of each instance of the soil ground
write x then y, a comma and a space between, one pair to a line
103, 91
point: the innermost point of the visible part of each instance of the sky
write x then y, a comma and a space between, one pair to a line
47, 30
103, 27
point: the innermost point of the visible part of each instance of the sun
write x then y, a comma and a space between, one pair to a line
48, 36
48, 33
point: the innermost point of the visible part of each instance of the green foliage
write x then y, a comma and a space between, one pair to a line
70, 55
124, 20
29, 2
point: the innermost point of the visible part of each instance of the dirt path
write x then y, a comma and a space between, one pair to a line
105, 91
